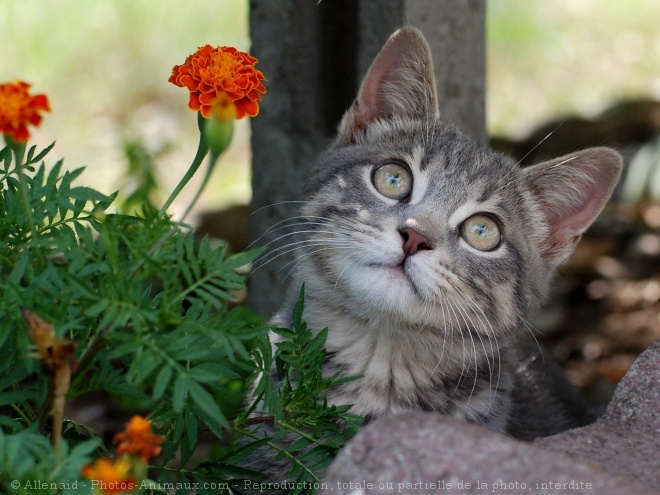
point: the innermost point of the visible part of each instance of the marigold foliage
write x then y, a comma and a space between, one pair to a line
210, 72
18, 108
150, 310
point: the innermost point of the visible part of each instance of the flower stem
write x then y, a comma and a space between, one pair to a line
212, 159
214, 151
20, 412
202, 151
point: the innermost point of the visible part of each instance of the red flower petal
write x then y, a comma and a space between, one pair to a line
246, 107
207, 98
137, 439
210, 72
194, 103
206, 111
18, 108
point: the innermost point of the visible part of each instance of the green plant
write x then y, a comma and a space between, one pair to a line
133, 310
140, 177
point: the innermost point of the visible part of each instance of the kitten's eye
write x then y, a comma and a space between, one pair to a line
481, 232
393, 181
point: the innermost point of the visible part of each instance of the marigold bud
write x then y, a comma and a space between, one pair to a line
219, 127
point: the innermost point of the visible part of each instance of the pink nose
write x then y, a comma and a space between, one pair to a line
413, 241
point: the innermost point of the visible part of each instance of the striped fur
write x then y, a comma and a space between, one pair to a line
444, 329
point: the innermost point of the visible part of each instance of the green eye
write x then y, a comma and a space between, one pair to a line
393, 181
481, 232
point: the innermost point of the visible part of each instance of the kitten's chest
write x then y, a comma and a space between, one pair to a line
417, 371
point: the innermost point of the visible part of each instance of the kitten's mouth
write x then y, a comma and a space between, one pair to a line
397, 271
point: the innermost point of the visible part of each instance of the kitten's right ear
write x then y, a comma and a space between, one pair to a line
400, 82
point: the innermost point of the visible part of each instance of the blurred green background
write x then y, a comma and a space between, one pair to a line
105, 64
548, 58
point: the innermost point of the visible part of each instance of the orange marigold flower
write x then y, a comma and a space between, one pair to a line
18, 108
137, 439
209, 72
110, 477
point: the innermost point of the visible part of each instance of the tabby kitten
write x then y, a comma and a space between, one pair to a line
425, 254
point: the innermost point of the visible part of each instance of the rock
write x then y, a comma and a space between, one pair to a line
422, 453
626, 439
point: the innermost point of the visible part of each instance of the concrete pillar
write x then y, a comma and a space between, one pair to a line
314, 56
455, 29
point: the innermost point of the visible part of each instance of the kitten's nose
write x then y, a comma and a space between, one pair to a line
413, 241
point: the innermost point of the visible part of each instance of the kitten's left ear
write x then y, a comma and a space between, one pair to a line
572, 191
400, 82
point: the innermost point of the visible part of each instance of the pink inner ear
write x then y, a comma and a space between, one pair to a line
583, 201
399, 81
373, 99
369, 98
572, 191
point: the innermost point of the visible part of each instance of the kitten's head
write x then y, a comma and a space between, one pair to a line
410, 221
